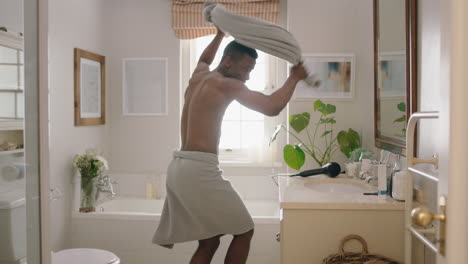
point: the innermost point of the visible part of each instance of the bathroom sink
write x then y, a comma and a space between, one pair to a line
338, 186
324, 193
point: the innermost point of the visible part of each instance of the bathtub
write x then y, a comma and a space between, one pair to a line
125, 226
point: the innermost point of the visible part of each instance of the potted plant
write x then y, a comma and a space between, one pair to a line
322, 142
91, 166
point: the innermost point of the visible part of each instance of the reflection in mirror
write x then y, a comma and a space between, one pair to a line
392, 88
392, 69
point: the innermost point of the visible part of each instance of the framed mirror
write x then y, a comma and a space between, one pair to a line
395, 71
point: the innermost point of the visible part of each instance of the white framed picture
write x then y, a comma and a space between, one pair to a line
145, 82
392, 73
333, 77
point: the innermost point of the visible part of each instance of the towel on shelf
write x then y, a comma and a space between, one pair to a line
257, 34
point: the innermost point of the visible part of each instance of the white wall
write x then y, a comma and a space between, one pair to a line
11, 15
140, 29
339, 26
72, 24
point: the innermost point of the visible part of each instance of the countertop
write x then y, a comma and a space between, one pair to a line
294, 194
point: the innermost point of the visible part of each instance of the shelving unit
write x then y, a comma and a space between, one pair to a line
7, 124
7, 152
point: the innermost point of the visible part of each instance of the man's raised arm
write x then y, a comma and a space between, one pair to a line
209, 53
270, 105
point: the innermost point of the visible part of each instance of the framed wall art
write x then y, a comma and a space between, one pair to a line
333, 77
145, 82
90, 92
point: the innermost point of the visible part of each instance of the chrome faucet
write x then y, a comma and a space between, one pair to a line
370, 178
104, 184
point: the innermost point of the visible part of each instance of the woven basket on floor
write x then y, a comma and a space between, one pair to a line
354, 257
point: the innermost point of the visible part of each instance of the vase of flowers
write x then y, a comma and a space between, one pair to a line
91, 166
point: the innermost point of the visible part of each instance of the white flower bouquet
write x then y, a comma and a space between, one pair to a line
91, 166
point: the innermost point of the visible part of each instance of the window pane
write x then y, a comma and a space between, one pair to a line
252, 134
8, 55
233, 112
258, 78
20, 105
7, 105
248, 114
8, 77
230, 135
261, 57
21, 82
21, 53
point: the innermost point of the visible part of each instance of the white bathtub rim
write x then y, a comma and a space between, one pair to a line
140, 216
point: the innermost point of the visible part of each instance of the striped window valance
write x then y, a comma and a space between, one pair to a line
188, 21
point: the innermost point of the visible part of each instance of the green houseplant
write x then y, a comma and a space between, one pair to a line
322, 141
402, 108
91, 166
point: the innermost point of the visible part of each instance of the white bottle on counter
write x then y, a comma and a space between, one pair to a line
382, 179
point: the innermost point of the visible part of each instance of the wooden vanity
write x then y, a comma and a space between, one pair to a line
316, 213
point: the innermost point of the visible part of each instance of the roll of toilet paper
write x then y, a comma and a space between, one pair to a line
399, 185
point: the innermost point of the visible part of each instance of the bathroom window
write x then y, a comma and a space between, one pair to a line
11, 83
244, 132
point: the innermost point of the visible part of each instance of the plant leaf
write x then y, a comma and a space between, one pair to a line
293, 156
402, 107
275, 134
348, 141
401, 119
318, 105
329, 109
325, 109
326, 133
328, 120
299, 121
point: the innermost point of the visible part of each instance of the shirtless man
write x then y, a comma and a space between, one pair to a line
208, 95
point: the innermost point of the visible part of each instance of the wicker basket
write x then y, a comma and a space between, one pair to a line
357, 258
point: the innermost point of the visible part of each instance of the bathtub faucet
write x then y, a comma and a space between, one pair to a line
104, 184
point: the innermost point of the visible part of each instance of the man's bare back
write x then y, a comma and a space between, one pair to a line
205, 103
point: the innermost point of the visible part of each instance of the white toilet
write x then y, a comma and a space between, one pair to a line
84, 255
13, 234
12, 224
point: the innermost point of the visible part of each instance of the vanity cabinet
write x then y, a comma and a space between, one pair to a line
314, 221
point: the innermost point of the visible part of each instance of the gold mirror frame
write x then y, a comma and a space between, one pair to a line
382, 142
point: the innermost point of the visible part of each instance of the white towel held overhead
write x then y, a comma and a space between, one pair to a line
257, 34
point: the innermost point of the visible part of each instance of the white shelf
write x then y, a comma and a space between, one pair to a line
7, 152
426, 170
7, 124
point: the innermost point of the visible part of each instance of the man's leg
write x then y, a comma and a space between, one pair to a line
239, 249
205, 251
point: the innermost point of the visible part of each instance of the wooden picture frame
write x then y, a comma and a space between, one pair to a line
90, 92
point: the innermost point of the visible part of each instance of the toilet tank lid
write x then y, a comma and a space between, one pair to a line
10, 199
84, 255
